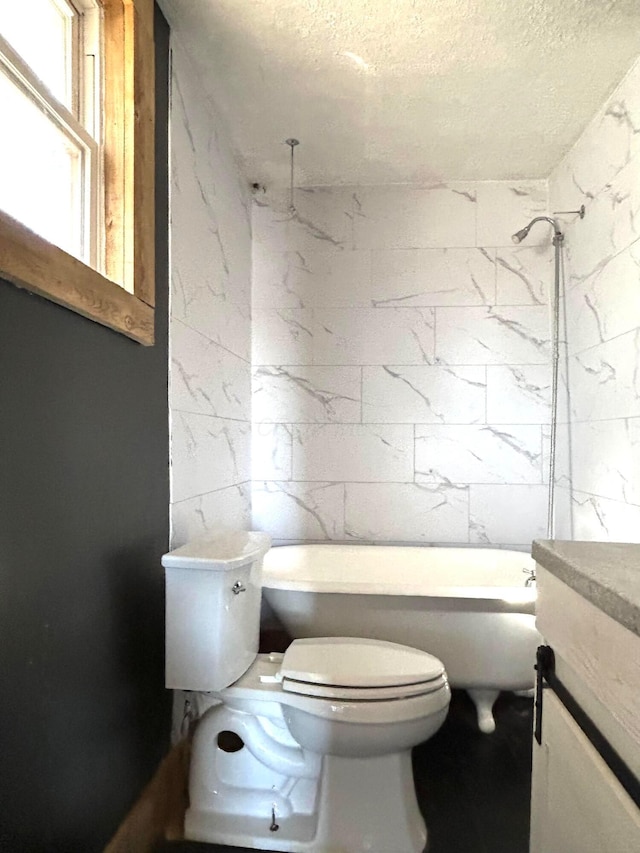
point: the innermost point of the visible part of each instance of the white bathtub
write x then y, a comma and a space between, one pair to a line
467, 606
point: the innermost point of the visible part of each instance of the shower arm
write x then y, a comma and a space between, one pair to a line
519, 236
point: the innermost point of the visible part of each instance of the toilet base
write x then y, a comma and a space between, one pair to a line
320, 804
364, 804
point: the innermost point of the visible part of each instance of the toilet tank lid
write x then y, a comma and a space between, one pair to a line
219, 552
355, 662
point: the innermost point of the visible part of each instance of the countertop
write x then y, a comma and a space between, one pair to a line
605, 573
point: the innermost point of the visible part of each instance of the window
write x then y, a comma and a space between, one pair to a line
51, 160
77, 156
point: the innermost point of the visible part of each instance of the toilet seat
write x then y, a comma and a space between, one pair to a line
260, 691
356, 669
362, 694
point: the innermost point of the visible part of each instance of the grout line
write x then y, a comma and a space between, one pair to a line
415, 439
291, 461
344, 509
457, 486
212, 492
435, 333
486, 393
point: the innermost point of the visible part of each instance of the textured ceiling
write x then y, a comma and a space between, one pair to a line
388, 91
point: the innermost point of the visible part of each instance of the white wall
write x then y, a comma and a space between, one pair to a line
210, 316
401, 364
599, 494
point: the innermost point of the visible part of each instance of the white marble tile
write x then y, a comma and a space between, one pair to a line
563, 469
271, 452
205, 378
423, 394
518, 394
415, 217
299, 510
603, 308
406, 512
374, 336
304, 279
207, 454
307, 395
606, 458
353, 452
622, 114
564, 410
564, 194
612, 223
507, 515
196, 248
563, 514
606, 304
323, 218
210, 327
209, 219
234, 227
193, 517
270, 224
423, 277
587, 244
194, 303
478, 454
602, 520
505, 207
605, 147
605, 380
499, 335
283, 336
524, 275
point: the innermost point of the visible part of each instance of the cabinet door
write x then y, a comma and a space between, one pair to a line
577, 804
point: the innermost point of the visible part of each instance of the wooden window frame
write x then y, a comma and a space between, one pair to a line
31, 262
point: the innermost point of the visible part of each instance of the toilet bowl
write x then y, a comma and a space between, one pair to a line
309, 750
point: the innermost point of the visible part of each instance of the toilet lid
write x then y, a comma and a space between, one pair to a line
361, 664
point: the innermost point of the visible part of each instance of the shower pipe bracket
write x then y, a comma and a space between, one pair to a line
581, 212
291, 142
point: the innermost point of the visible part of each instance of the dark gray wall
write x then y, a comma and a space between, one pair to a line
84, 496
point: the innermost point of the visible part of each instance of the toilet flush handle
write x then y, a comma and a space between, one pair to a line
238, 587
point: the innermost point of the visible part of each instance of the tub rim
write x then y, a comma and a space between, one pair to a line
508, 594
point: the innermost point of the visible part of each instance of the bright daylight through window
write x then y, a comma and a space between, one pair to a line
50, 151
77, 157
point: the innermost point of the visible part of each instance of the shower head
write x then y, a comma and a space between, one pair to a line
520, 235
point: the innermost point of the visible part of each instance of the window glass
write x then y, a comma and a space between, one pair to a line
40, 171
40, 31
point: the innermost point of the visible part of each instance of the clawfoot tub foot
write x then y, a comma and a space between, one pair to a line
484, 701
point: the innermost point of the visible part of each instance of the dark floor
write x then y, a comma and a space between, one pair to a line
473, 789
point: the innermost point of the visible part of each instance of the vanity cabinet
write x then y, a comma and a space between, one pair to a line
588, 613
577, 804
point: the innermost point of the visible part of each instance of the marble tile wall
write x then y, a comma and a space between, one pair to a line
401, 347
210, 317
401, 364
599, 493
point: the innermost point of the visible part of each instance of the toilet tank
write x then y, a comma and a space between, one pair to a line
213, 593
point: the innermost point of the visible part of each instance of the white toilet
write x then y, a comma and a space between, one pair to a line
306, 751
